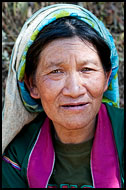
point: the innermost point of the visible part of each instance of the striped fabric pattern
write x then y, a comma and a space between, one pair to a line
15, 165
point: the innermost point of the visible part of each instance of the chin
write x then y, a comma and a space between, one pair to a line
74, 124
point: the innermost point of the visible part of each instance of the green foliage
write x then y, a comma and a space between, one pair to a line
20, 7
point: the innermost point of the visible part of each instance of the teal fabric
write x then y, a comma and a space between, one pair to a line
18, 151
111, 96
117, 119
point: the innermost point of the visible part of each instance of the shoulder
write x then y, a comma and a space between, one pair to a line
15, 156
24, 141
114, 109
116, 114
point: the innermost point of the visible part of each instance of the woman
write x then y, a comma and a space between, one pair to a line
61, 133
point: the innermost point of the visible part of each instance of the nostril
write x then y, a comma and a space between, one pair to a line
73, 91
73, 86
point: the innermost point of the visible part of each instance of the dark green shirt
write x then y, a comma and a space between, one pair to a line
72, 166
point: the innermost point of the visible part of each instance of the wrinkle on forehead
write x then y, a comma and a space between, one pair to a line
72, 41
59, 50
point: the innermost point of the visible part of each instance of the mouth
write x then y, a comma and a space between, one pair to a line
75, 106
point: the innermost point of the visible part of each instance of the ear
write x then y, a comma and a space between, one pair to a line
107, 74
30, 83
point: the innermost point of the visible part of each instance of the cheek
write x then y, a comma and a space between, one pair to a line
49, 91
96, 85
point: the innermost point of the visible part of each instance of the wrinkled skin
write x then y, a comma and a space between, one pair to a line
70, 81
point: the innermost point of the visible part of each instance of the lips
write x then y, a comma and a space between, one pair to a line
78, 104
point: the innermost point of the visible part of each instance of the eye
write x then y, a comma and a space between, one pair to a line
56, 71
86, 69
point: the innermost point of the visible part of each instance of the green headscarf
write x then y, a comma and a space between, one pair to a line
63, 10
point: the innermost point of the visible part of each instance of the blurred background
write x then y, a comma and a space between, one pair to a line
14, 15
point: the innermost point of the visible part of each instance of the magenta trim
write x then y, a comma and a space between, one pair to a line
51, 171
41, 158
30, 158
104, 158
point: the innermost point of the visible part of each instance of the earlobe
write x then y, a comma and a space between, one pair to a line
32, 87
34, 93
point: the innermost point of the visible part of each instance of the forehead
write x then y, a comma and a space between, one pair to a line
62, 48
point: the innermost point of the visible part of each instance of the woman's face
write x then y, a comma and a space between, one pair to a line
70, 82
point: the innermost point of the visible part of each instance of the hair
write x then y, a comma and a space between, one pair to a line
66, 27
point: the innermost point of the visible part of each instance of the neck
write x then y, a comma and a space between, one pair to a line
75, 136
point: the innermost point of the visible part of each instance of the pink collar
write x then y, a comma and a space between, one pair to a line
104, 158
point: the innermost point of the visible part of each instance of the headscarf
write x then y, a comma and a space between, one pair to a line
19, 107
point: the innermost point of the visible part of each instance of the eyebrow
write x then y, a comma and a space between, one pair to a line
83, 62
51, 64
90, 61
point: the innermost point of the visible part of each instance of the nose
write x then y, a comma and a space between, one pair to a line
74, 86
